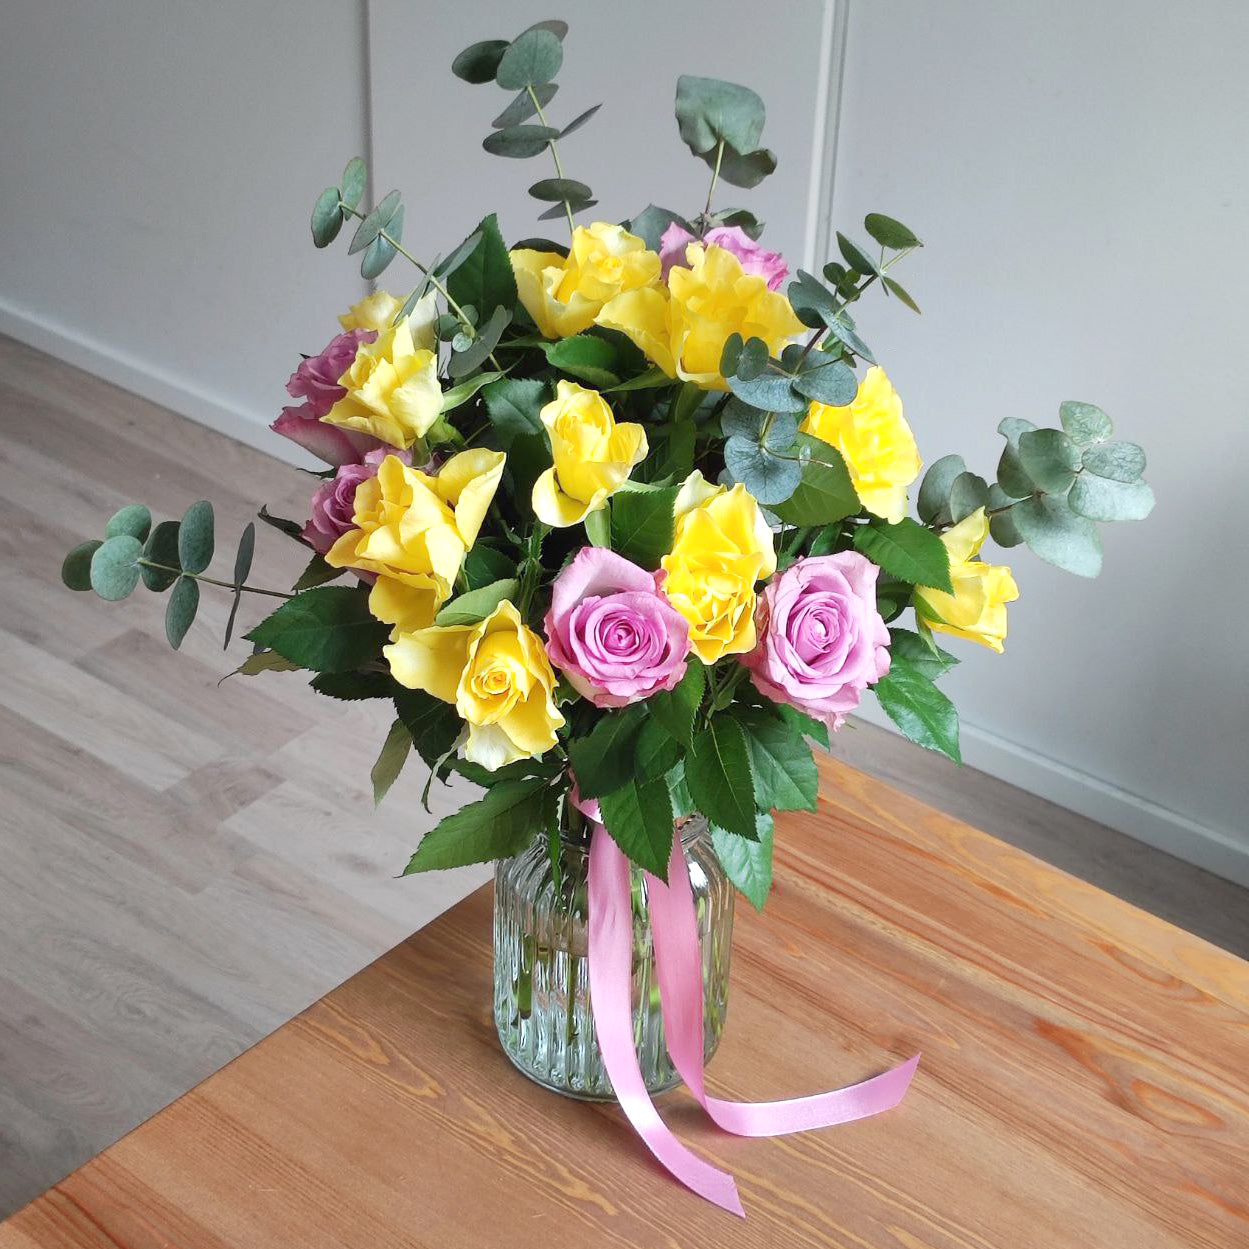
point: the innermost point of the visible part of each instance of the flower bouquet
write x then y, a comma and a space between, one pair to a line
620, 526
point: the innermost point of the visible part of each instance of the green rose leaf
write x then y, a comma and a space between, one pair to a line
519, 142
514, 405
1050, 459
598, 527
803, 724
264, 661
76, 567
394, 754
710, 111
1118, 461
934, 490
374, 223
587, 357
114, 570
906, 551
824, 494
523, 107
134, 519
195, 537
781, 763
1085, 423
747, 861
180, 610
496, 826
642, 525
1060, 537
656, 753
327, 217
479, 61
928, 659
918, 708
353, 686
432, 724
476, 605
327, 629
603, 760
639, 818
890, 233
533, 59
1101, 498
318, 572
674, 710
719, 776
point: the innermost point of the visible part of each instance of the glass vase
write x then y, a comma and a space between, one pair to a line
541, 974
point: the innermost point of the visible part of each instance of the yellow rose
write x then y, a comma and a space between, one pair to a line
413, 531
977, 608
593, 455
497, 675
392, 386
721, 547
376, 312
685, 333
875, 441
564, 294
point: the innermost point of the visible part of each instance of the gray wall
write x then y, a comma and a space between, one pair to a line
1078, 171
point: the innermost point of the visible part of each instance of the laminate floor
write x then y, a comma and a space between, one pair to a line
186, 864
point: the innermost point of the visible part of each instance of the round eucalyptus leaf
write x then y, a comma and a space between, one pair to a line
134, 519
559, 189
934, 490
711, 111
327, 217
1003, 530
355, 179
115, 566
744, 169
1101, 498
76, 566
1060, 537
1011, 477
770, 479
773, 392
519, 142
195, 537
855, 256
523, 107
888, 232
730, 354
1050, 458
575, 206
532, 59
968, 491
180, 610
478, 62
1010, 427
162, 548
1085, 423
833, 384
752, 362
374, 223
555, 25
1120, 461
381, 251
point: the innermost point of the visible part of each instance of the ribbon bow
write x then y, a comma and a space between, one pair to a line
678, 964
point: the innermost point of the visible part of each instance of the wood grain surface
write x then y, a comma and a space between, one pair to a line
1085, 1082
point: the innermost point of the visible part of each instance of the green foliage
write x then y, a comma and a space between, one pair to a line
968, 493
602, 760
579, 121
515, 405
675, 709
642, 524
649, 225
519, 142
242, 566
803, 724
532, 59
382, 250
1103, 498
824, 494
374, 222
1084, 423
1116, 461
479, 61
76, 567
394, 754
354, 686
598, 527
133, 519
432, 724
327, 629
758, 448
934, 491
910, 699
180, 610
719, 776
354, 181
781, 763
478, 351
907, 551
485, 278
476, 605
161, 548
588, 357
524, 105
747, 861
484, 564
924, 656
639, 817
890, 233
195, 537
722, 123
496, 826
457, 395
327, 217
1060, 537
833, 383
1050, 459
114, 570
317, 573
895, 287
264, 661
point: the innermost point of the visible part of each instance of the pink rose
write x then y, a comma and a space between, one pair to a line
334, 501
612, 633
327, 442
821, 640
316, 379
754, 259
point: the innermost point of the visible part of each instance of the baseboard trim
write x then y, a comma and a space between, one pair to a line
144, 379
1158, 826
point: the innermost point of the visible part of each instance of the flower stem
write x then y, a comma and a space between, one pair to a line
559, 169
711, 190
248, 589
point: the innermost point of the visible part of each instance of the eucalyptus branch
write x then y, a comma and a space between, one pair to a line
559, 169
711, 190
227, 585
884, 268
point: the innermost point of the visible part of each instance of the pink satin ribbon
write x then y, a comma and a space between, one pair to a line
678, 963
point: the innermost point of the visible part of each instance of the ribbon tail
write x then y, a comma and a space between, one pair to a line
611, 978
678, 963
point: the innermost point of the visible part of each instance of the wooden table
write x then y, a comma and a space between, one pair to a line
1085, 1082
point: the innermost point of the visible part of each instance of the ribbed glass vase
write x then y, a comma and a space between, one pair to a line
542, 980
